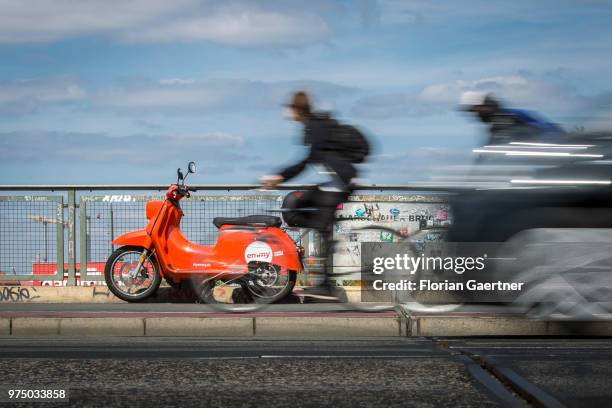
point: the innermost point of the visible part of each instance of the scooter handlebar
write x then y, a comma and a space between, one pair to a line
176, 191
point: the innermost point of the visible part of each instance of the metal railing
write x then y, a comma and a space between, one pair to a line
63, 233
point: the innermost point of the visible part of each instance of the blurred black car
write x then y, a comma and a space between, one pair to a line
565, 183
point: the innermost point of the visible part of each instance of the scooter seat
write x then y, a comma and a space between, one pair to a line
265, 220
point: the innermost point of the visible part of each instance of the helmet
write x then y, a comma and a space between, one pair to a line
472, 98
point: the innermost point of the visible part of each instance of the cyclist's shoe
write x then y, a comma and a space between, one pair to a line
322, 292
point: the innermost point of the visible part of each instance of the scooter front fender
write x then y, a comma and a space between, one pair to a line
138, 238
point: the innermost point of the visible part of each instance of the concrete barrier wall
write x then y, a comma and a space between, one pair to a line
475, 325
101, 294
56, 294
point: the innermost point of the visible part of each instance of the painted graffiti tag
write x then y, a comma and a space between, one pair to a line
117, 198
17, 294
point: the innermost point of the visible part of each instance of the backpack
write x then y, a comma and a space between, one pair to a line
534, 120
349, 142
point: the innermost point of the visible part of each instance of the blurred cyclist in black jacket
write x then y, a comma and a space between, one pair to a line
336, 148
319, 134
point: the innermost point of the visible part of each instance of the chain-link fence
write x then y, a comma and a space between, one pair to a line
106, 219
38, 233
31, 237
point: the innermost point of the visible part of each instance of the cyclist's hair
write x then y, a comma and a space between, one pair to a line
301, 103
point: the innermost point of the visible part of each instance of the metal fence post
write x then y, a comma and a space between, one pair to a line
305, 242
83, 238
112, 227
71, 237
59, 229
319, 250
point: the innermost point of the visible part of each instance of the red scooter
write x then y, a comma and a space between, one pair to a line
253, 256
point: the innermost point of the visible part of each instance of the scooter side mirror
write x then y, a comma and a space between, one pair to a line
191, 167
179, 174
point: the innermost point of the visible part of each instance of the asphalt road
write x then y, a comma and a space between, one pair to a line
223, 372
574, 373
366, 372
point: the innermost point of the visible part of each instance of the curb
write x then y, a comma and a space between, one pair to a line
231, 326
199, 326
500, 325
324, 326
312, 325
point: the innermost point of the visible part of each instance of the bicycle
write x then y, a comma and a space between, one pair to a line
235, 296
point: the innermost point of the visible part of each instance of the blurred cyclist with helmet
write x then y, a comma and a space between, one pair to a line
508, 124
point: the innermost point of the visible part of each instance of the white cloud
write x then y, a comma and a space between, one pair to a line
82, 147
20, 96
176, 81
393, 105
406, 12
236, 23
90, 157
417, 164
182, 95
211, 139
521, 90
451, 91
170, 95
542, 93
517, 90
239, 26
48, 20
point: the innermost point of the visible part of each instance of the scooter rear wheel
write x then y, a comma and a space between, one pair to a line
263, 285
117, 274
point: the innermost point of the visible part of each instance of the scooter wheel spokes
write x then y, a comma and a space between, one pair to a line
267, 283
125, 281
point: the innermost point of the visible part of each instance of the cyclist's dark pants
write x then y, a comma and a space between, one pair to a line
316, 209
321, 208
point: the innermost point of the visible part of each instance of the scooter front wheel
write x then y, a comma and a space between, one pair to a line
125, 281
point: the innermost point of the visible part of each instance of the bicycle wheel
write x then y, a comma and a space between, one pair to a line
369, 300
263, 284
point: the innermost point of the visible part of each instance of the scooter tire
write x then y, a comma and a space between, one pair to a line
151, 290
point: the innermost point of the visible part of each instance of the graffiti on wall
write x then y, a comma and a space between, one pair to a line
17, 294
421, 221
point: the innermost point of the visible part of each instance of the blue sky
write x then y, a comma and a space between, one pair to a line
125, 91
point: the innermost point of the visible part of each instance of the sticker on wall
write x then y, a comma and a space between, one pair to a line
441, 214
258, 251
386, 236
